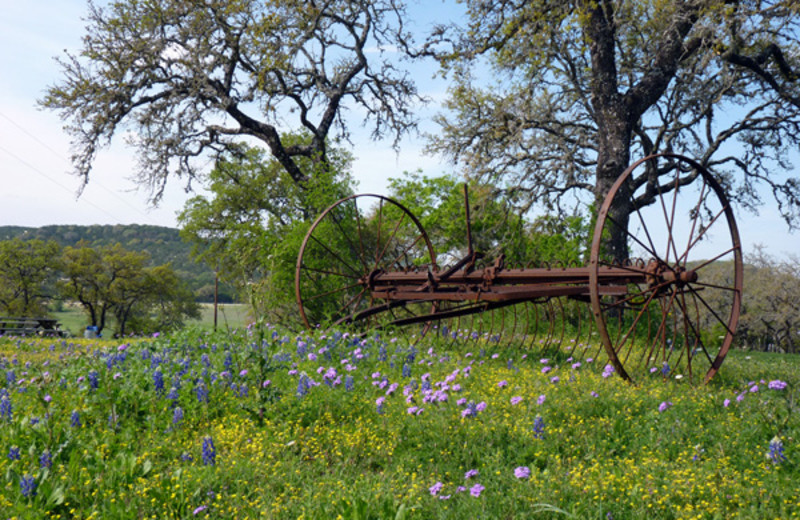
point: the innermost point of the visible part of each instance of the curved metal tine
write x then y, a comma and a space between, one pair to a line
660, 335
560, 310
696, 332
632, 328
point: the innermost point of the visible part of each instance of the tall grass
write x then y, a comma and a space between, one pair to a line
267, 424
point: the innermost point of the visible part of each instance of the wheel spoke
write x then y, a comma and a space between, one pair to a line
703, 232
332, 291
634, 237
696, 214
346, 236
335, 255
389, 241
325, 271
710, 309
697, 268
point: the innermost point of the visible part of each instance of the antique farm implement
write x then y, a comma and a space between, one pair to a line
663, 277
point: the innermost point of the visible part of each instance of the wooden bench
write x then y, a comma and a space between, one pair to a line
10, 326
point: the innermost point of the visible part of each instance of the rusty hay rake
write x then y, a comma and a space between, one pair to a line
663, 282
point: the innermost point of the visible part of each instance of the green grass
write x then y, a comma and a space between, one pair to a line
230, 315
595, 447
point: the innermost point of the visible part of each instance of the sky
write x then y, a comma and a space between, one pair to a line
38, 189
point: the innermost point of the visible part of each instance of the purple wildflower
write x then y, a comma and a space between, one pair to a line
608, 371
541, 399
522, 472
776, 385
555, 379
538, 427
14, 453
209, 452
516, 400
726, 402
27, 485
471, 473
434, 489
775, 454
664, 405
502, 384
476, 490
75, 419
199, 510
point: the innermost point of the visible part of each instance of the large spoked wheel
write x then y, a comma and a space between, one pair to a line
673, 305
352, 241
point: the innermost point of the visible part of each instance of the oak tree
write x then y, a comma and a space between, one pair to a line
187, 79
579, 88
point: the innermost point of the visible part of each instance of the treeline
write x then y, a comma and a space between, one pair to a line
107, 281
163, 245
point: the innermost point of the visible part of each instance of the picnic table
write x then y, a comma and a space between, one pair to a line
11, 326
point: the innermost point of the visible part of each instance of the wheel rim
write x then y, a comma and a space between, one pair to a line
682, 319
351, 240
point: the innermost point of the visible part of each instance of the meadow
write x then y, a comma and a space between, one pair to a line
263, 423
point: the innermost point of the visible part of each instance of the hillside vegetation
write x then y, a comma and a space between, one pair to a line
163, 244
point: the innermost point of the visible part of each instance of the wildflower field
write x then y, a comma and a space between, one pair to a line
266, 424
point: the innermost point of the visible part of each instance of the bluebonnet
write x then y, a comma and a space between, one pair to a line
13, 453
302, 386
209, 452
205, 360
158, 381
406, 370
349, 383
45, 460
665, 369
94, 382
5, 408
382, 355
538, 427
75, 419
201, 392
173, 394
243, 391
775, 453
228, 361
177, 415
11, 378
27, 485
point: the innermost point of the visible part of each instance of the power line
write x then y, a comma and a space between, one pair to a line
37, 170
58, 154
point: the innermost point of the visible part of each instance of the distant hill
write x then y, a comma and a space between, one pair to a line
163, 244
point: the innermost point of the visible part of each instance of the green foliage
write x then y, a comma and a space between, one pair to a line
162, 244
496, 224
27, 271
112, 280
251, 227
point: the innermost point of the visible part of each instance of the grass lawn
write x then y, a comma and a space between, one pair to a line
269, 424
229, 315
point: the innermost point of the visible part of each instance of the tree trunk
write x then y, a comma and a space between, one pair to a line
614, 136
